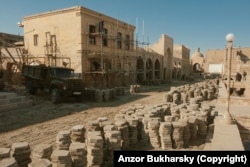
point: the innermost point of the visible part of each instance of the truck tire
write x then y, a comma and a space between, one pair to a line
2, 85
33, 91
55, 96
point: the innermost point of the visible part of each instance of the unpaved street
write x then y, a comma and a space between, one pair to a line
41, 123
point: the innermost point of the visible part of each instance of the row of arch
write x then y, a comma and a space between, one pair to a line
153, 70
148, 71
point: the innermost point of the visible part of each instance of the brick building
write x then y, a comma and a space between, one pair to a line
181, 62
100, 48
216, 61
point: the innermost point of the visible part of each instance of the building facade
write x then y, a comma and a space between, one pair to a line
100, 49
216, 61
181, 62
197, 62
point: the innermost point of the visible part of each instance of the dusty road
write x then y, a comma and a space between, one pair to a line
41, 122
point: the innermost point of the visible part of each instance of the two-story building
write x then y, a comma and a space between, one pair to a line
100, 48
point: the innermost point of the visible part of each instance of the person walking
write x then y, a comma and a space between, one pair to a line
244, 75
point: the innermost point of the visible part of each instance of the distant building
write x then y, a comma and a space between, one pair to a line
216, 61
101, 49
181, 62
9, 39
197, 62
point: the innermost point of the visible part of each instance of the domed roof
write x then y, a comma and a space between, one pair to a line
197, 54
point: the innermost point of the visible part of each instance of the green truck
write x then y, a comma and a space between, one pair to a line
57, 81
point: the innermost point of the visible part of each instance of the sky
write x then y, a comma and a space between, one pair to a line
195, 24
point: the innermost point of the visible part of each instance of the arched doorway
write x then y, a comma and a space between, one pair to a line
157, 69
196, 68
179, 70
174, 70
140, 70
149, 70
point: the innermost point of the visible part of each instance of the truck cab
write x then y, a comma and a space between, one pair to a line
58, 81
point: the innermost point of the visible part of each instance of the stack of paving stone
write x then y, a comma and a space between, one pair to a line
133, 131
134, 89
4, 153
210, 94
169, 118
144, 132
165, 133
178, 129
139, 114
78, 133
168, 97
103, 121
176, 98
61, 158
175, 111
114, 139
8, 162
197, 92
114, 143
122, 126
94, 142
192, 123
191, 93
186, 133
153, 131
78, 154
184, 97
202, 123
93, 125
194, 105
63, 140
21, 152
40, 163
42, 151
204, 93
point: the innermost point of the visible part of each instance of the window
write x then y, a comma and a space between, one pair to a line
127, 39
105, 37
35, 40
92, 38
119, 40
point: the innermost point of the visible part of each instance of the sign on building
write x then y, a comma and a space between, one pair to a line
215, 68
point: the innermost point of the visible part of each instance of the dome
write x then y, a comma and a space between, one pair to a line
197, 54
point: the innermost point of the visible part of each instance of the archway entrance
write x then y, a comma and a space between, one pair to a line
140, 70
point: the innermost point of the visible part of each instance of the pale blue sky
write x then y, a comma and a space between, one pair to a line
194, 23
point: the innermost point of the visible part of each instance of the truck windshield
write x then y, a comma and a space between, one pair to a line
63, 72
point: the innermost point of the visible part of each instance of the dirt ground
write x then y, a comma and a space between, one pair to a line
41, 122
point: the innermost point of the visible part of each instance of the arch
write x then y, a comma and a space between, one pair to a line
174, 70
196, 67
140, 70
149, 69
157, 69
179, 70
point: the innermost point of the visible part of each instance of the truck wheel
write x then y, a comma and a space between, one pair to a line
32, 91
2, 85
55, 96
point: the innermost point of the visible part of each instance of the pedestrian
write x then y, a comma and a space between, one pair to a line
238, 77
244, 75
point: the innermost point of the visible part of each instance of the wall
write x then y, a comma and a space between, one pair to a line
65, 26
164, 46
